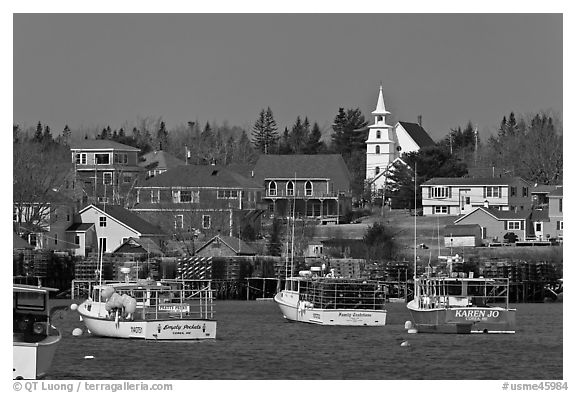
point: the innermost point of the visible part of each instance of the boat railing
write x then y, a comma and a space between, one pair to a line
366, 296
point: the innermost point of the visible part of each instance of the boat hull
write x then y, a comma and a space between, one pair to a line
294, 310
463, 319
156, 329
32, 360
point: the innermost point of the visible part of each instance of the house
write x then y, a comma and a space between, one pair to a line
44, 223
114, 225
208, 199
315, 186
495, 224
386, 143
157, 162
463, 235
105, 170
84, 238
555, 214
224, 246
539, 194
455, 196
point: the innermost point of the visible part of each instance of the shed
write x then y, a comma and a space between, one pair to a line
465, 235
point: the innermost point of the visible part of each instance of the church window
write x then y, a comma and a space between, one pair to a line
377, 149
377, 170
308, 188
378, 134
272, 188
290, 188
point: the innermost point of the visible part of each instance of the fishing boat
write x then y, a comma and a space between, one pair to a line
151, 310
35, 340
328, 300
448, 304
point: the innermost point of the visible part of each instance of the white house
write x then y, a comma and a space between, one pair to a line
114, 225
386, 143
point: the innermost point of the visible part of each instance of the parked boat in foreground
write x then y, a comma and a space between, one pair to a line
35, 340
332, 301
462, 305
151, 310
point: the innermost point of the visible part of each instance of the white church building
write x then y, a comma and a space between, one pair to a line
386, 143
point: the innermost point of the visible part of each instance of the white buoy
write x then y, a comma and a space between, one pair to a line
405, 343
77, 332
412, 331
73, 307
408, 325
88, 357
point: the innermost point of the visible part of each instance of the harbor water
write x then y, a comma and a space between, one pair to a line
255, 342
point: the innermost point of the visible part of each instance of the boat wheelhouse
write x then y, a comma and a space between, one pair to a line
167, 310
462, 305
35, 340
333, 301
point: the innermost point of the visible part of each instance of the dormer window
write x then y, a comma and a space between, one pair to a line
308, 188
272, 188
290, 188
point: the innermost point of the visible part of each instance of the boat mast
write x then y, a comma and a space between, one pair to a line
293, 225
415, 215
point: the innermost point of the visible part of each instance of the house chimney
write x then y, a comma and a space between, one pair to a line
420, 120
486, 204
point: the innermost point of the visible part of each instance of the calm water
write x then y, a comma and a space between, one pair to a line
255, 342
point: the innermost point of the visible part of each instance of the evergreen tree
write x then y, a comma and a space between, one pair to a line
298, 136
347, 136
47, 136
380, 244
284, 145
66, 135
314, 145
162, 137
38, 134
264, 132
16, 133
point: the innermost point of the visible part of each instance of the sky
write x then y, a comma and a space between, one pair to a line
93, 70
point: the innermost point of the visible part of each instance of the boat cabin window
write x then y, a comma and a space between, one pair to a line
454, 288
30, 301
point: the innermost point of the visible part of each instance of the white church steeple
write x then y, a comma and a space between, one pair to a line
381, 142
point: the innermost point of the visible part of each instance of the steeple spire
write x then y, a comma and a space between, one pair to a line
380, 108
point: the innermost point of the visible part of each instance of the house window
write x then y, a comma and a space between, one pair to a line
440, 192
178, 221
32, 239
493, 192
15, 214
440, 209
377, 149
206, 222
155, 196
102, 199
378, 134
512, 191
560, 225
81, 158
127, 179
484, 232
108, 178
560, 205
102, 159
524, 191
185, 196
103, 221
290, 188
227, 194
513, 225
120, 158
308, 188
77, 239
272, 188
55, 239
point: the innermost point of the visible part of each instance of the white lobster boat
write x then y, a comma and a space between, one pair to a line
35, 340
332, 301
462, 305
151, 311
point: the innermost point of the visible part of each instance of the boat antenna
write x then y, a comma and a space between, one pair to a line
415, 215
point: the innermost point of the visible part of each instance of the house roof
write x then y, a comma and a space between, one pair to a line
542, 189
233, 243
160, 159
100, 144
329, 166
19, 243
139, 246
557, 193
461, 230
80, 227
471, 181
500, 214
128, 218
418, 134
200, 176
